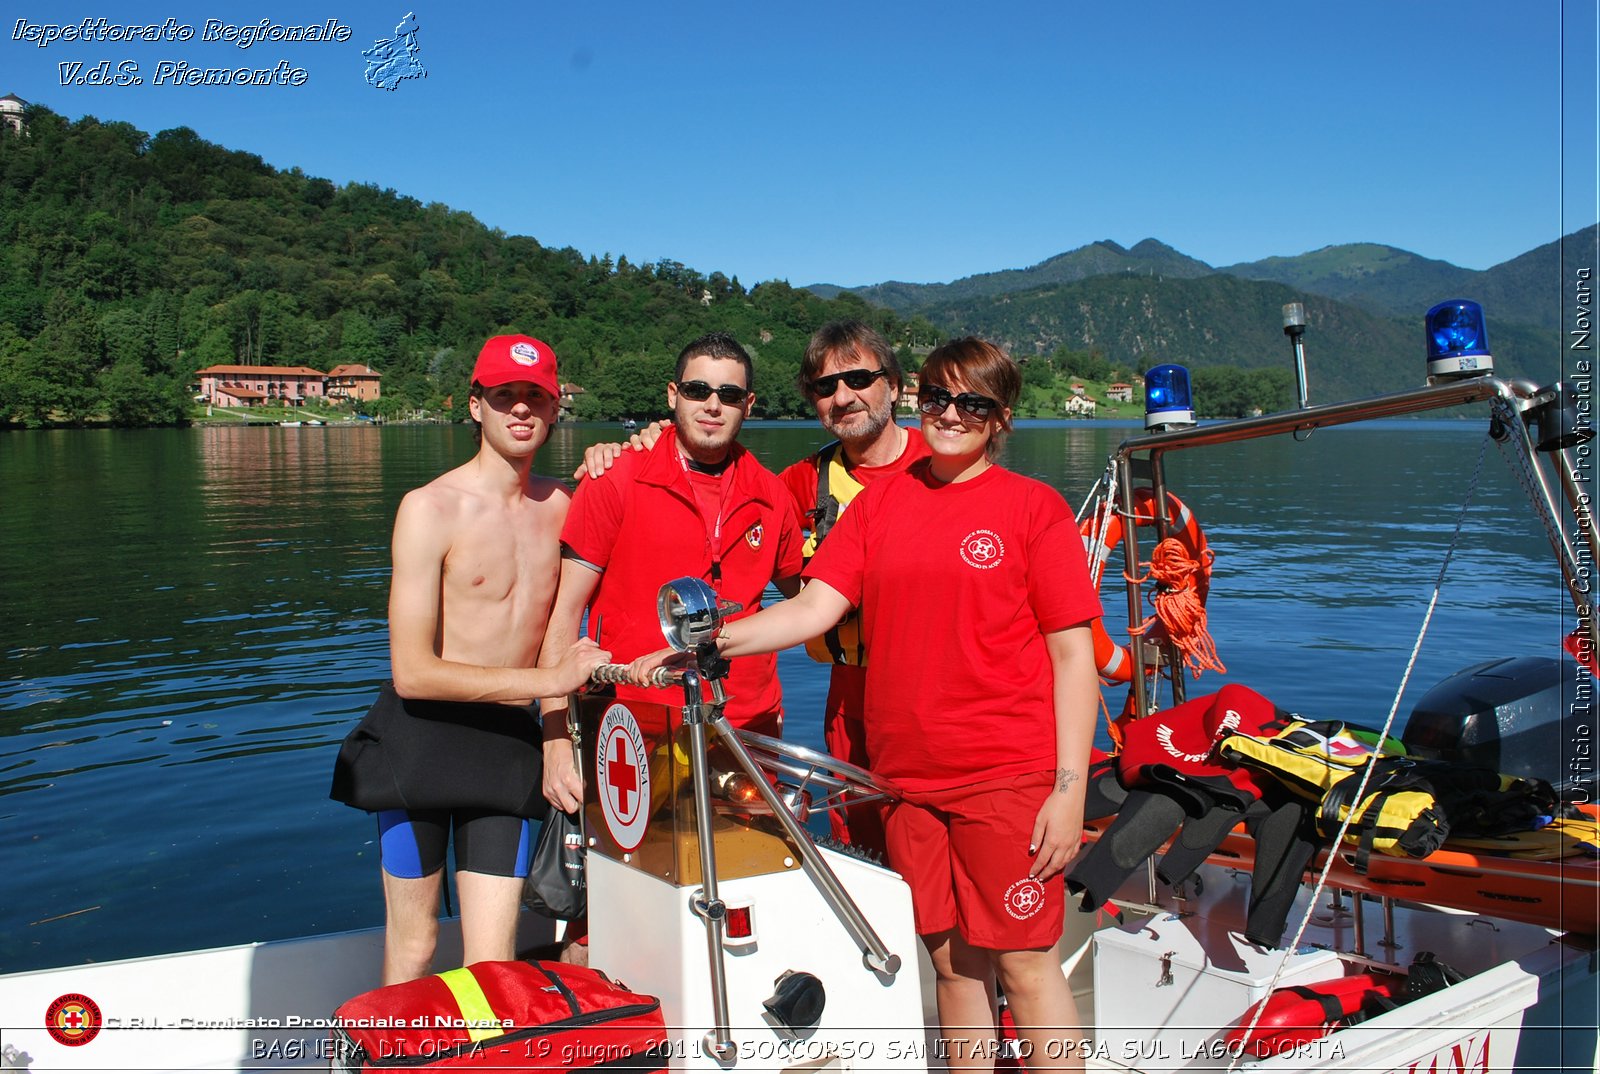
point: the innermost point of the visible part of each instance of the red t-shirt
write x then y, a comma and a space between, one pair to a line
957, 586
846, 682
643, 524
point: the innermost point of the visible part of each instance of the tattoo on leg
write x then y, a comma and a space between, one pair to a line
1066, 777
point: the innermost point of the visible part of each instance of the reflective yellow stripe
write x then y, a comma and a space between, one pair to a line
479, 1017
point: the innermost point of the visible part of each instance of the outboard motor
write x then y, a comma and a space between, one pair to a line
1523, 716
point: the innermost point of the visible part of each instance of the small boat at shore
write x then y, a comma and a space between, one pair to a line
706, 890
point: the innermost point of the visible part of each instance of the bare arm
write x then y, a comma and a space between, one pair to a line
814, 609
808, 613
420, 546
563, 784
597, 458
1058, 829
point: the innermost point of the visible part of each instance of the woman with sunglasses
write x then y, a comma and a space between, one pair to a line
981, 697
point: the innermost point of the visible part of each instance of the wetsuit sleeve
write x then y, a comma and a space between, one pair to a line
1058, 571
1145, 821
594, 520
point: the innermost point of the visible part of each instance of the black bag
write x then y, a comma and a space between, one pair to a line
557, 886
421, 755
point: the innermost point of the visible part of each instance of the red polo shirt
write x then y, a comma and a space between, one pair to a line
644, 524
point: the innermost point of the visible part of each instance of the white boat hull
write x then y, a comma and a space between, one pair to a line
1530, 1003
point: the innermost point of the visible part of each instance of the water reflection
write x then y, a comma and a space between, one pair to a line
193, 619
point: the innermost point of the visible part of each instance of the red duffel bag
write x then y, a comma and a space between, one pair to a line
530, 1016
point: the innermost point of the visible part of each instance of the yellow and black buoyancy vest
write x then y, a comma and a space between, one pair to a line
836, 487
1411, 807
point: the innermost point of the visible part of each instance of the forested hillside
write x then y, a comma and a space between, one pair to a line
1150, 304
127, 262
1521, 293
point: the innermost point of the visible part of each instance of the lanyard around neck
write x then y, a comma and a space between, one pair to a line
722, 505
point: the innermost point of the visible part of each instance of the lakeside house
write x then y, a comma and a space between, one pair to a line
353, 382
568, 399
259, 385
357, 383
908, 393
12, 108
1080, 405
1120, 392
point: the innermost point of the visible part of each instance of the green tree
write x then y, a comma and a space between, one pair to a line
132, 397
633, 386
62, 363
1230, 392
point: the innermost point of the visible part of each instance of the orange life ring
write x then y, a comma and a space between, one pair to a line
1115, 660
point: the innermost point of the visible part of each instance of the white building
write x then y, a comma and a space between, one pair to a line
11, 109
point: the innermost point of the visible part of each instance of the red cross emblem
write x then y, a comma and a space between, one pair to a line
622, 775
73, 1020
1024, 898
982, 549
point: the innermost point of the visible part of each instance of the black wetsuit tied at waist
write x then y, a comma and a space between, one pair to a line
419, 755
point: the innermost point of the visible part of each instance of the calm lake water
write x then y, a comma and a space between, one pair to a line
193, 619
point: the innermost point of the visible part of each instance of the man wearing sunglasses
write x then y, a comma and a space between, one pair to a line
850, 374
852, 377
695, 503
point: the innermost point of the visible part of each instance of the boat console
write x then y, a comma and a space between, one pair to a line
706, 890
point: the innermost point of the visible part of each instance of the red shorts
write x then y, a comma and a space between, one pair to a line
965, 854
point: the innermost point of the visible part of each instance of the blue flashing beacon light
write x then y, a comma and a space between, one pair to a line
1167, 400
1458, 343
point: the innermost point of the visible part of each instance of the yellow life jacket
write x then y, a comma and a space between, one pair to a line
1323, 761
836, 487
1411, 807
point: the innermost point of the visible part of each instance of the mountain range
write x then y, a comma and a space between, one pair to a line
1151, 303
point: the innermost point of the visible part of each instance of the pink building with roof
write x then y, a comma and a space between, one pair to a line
358, 382
258, 385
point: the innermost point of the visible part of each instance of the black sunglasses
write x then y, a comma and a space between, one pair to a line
698, 391
857, 380
932, 400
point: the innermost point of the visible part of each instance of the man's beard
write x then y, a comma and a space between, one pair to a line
875, 421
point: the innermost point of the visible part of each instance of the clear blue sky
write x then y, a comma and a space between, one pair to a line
859, 142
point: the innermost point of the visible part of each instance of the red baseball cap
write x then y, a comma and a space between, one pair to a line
508, 359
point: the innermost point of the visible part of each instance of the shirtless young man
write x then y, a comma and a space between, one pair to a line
476, 559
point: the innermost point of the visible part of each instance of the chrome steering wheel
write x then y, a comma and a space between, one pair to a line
828, 782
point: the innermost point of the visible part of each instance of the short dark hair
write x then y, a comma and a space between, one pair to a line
716, 345
847, 337
984, 368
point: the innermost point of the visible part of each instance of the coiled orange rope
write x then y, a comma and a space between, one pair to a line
1179, 607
